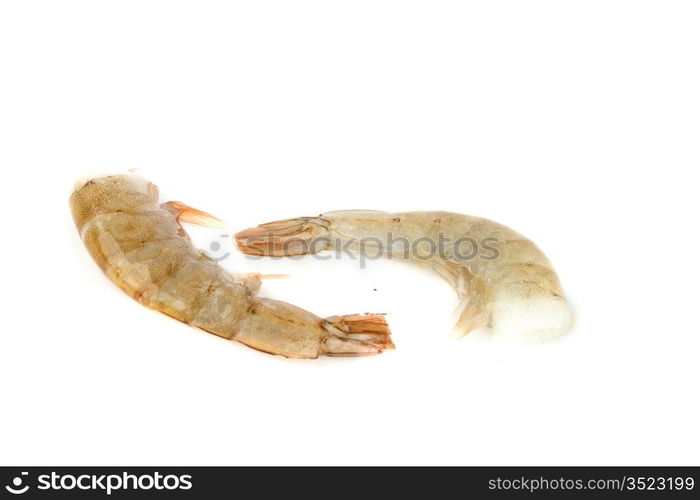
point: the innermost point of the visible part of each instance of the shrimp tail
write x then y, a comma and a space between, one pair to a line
285, 238
356, 335
280, 328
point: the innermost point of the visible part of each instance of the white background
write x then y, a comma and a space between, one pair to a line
576, 123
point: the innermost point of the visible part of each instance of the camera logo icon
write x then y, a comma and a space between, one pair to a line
216, 252
16, 487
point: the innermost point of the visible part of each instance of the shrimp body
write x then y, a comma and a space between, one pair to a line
141, 246
502, 279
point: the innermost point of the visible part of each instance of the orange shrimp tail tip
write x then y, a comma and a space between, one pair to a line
356, 335
285, 238
186, 213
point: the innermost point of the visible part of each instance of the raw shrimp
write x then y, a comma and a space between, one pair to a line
508, 285
144, 250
